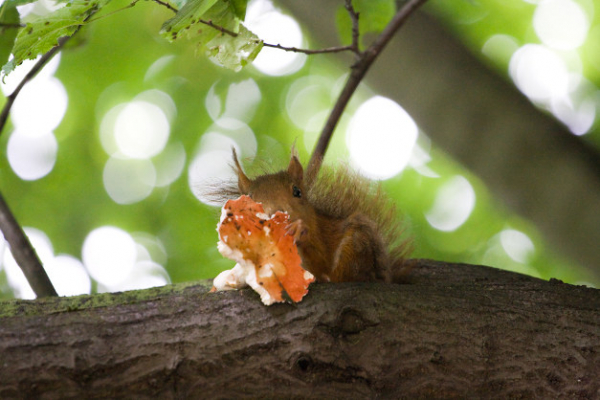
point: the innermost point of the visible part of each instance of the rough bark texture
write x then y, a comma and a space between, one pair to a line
453, 331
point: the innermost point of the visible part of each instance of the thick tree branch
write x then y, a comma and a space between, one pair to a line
359, 70
455, 331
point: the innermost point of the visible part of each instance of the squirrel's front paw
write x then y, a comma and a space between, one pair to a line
297, 229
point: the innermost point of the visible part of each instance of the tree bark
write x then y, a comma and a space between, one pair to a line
453, 331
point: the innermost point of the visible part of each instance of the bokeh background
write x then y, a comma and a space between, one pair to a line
109, 147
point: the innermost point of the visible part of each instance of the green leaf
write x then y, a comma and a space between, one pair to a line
19, 2
8, 16
186, 17
42, 34
233, 50
239, 8
374, 15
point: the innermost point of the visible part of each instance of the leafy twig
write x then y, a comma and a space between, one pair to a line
338, 49
359, 70
202, 21
284, 48
24, 254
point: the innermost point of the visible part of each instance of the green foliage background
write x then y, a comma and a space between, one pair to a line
108, 64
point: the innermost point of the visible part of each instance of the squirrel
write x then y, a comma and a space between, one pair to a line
345, 228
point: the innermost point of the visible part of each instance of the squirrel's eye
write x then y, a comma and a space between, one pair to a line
296, 191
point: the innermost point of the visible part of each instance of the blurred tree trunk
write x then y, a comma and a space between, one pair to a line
454, 331
530, 161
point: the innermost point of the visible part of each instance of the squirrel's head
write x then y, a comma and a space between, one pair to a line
280, 191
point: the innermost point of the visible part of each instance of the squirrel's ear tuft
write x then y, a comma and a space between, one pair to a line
243, 181
295, 169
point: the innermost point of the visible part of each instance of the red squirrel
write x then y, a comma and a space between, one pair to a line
344, 226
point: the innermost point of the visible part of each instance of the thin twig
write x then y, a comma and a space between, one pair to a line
20, 247
202, 21
165, 4
218, 27
11, 25
130, 5
359, 70
353, 47
308, 51
284, 48
10, 99
355, 30
24, 254
337, 49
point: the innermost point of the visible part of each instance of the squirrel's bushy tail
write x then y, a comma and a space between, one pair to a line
341, 192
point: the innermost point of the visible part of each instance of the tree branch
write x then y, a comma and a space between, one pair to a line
130, 5
10, 99
165, 4
355, 29
456, 331
218, 27
20, 246
24, 253
359, 70
337, 49
11, 25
